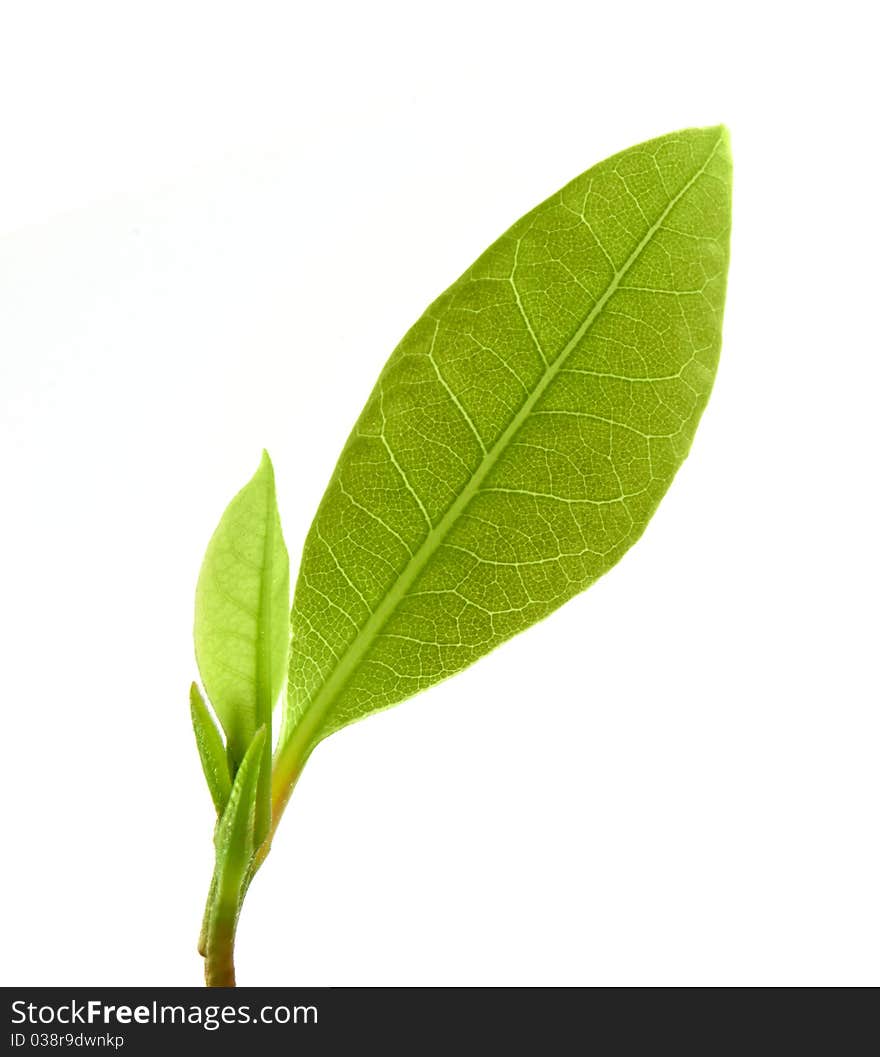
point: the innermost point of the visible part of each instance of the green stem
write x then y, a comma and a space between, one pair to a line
221, 920
233, 867
232, 879
219, 956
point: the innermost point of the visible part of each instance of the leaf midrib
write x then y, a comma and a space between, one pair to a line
263, 665
308, 723
265, 643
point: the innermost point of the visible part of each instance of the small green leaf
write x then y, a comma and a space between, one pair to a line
212, 752
235, 833
235, 844
241, 625
519, 438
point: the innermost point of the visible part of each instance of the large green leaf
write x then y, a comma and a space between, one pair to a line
520, 436
241, 626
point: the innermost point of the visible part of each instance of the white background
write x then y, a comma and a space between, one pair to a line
218, 220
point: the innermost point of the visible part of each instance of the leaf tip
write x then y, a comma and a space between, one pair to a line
721, 137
